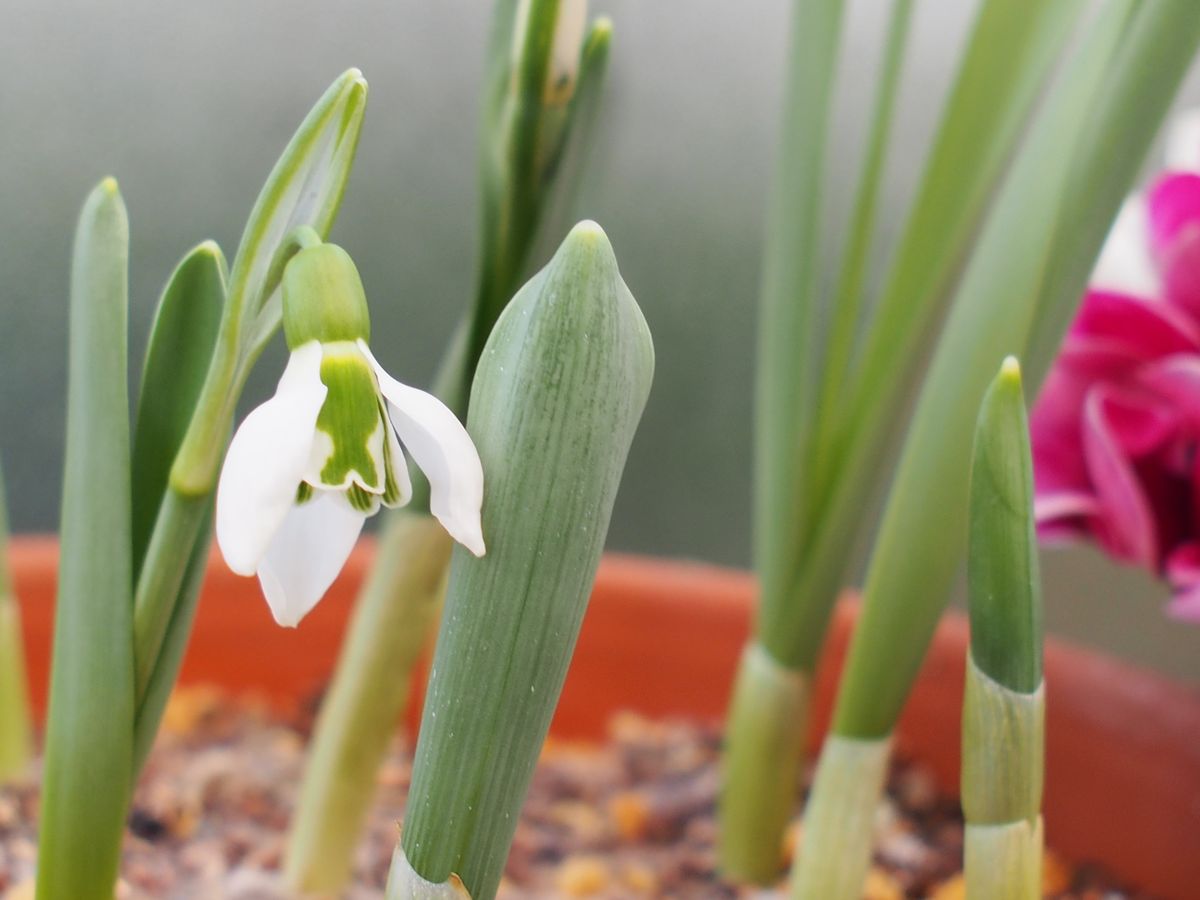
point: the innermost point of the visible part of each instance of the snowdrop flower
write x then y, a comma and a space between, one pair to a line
306, 468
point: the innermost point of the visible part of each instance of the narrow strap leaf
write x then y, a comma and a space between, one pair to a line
89, 732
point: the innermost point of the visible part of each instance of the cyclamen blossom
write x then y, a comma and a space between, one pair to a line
1116, 429
306, 468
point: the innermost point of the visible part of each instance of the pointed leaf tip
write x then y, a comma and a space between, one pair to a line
1002, 566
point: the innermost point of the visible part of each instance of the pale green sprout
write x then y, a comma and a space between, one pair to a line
1004, 710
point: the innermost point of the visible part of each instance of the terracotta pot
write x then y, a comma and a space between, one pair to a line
663, 638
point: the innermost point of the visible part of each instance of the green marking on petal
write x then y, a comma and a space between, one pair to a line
304, 493
362, 500
350, 418
391, 487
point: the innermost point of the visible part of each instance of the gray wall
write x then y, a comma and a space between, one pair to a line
188, 105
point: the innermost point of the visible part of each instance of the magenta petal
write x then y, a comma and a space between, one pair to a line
1176, 379
1138, 421
1183, 566
1125, 525
1174, 204
1181, 270
1144, 330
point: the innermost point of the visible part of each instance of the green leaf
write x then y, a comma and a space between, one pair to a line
790, 339
922, 538
1004, 590
558, 395
177, 357
1012, 48
848, 299
89, 732
1154, 56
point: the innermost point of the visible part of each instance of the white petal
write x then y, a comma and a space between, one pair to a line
1183, 141
442, 448
266, 461
307, 553
1125, 264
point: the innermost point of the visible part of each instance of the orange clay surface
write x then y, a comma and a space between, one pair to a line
1123, 745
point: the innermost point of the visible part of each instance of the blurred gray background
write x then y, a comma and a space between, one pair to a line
188, 105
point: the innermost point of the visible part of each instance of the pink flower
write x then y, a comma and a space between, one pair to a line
1116, 429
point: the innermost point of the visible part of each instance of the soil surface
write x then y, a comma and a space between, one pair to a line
634, 818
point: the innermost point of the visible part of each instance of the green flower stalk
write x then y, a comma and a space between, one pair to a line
1029, 265
16, 727
545, 69
560, 389
137, 503
1004, 707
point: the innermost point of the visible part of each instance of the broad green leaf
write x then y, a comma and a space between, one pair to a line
177, 358
923, 535
558, 395
1003, 586
89, 732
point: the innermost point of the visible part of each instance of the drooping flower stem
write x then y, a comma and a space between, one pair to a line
1002, 306
1004, 708
16, 729
553, 449
816, 465
518, 192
